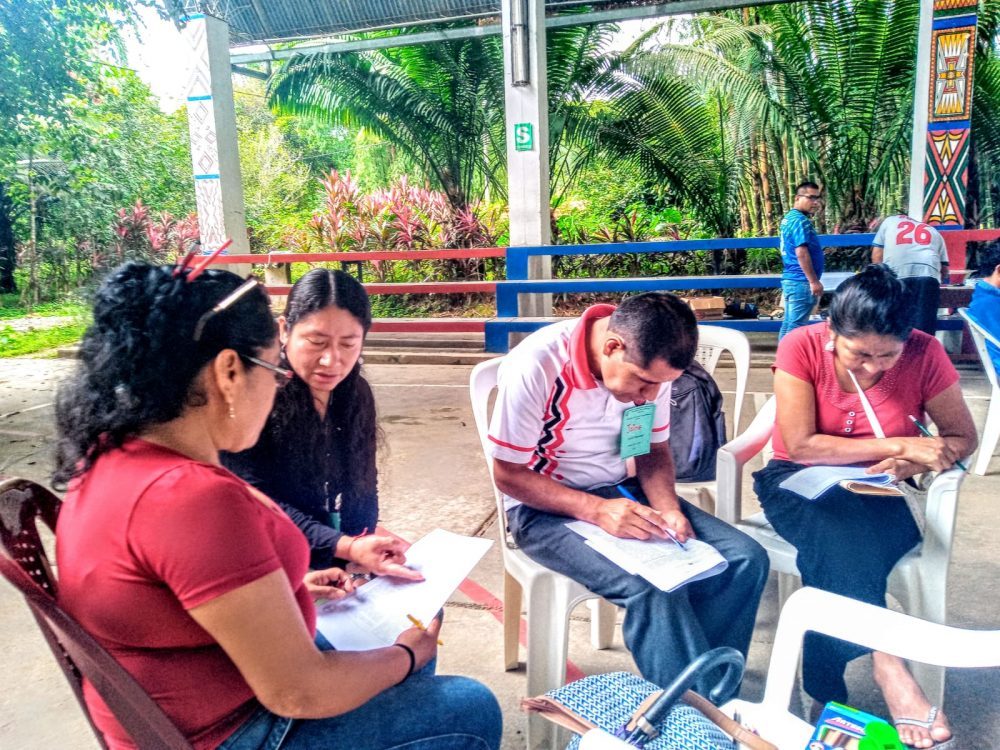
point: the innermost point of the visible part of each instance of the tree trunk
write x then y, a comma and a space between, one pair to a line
765, 185
8, 250
973, 203
755, 193
745, 227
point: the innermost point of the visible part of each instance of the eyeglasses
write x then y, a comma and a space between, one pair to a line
282, 376
810, 197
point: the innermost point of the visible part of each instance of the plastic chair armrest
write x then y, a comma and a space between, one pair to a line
942, 507
731, 459
879, 629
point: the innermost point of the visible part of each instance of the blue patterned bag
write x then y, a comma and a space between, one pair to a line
609, 700
627, 706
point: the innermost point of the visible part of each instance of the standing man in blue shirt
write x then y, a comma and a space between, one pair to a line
802, 257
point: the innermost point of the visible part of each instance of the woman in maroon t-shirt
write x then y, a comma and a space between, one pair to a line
848, 543
195, 581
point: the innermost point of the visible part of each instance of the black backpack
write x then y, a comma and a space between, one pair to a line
697, 424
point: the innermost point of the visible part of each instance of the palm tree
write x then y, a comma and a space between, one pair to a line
439, 103
443, 103
983, 200
807, 89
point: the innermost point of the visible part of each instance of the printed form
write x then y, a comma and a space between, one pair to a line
662, 562
375, 614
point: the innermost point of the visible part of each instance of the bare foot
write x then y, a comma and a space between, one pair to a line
905, 699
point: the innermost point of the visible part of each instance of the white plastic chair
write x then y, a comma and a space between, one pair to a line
991, 429
919, 582
550, 596
712, 342
876, 628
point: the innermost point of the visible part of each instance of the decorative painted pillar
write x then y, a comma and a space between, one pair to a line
943, 112
526, 115
212, 126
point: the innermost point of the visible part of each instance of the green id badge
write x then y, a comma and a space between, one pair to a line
637, 430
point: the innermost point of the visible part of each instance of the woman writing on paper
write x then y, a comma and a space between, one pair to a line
198, 584
827, 377
316, 454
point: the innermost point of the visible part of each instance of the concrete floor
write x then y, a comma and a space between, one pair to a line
433, 475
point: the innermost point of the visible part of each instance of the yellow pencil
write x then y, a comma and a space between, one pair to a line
419, 625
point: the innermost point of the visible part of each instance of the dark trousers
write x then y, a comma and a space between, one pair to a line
663, 631
923, 295
848, 544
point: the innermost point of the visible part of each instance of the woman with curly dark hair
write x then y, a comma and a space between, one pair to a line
197, 583
316, 455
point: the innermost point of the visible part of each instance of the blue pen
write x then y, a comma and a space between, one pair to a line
927, 433
629, 496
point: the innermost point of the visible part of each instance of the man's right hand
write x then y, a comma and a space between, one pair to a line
816, 288
629, 520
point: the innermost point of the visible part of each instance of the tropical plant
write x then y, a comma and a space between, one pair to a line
49, 53
442, 104
765, 97
402, 217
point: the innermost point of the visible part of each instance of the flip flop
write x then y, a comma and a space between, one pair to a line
927, 724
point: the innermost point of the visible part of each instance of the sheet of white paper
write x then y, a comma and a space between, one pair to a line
813, 481
660, 561
375, 614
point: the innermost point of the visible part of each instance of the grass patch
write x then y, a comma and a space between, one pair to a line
11, 307
18, 343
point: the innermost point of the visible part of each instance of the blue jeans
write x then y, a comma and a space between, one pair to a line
799, 302
426, 712
664, 631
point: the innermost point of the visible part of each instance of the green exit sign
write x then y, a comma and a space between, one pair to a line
524, 137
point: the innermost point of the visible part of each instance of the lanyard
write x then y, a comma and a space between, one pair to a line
869, 411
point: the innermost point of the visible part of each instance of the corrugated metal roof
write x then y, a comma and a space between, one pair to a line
277, 20
256, 21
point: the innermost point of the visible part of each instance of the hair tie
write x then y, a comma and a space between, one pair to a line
413, 661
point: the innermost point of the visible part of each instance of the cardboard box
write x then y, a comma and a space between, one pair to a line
706, 308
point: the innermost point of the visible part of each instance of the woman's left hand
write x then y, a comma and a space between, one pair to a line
898, 467
383, 556
332, 583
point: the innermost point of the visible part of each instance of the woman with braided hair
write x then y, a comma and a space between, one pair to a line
316, 454
197, 583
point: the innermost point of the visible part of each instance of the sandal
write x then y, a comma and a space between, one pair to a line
927, 724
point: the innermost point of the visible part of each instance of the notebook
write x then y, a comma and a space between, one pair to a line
813, 481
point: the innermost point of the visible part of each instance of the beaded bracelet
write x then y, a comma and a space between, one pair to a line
413, 661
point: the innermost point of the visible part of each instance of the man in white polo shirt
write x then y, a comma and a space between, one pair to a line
566, 406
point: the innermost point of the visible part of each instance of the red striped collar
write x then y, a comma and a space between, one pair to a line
583, 378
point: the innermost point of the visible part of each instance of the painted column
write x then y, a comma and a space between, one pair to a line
527, 122
212, 126
943, 112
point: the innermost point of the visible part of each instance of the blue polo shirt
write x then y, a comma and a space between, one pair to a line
797, 229
985, 310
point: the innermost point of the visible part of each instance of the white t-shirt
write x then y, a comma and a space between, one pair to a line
552, 415
911, 248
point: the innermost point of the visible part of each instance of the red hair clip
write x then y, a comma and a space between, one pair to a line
187, 259
197, 270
